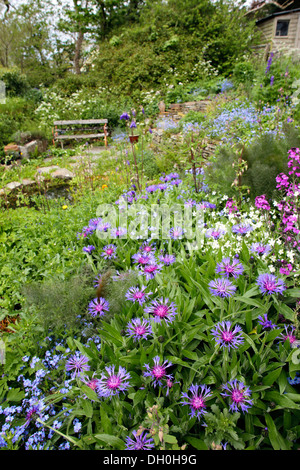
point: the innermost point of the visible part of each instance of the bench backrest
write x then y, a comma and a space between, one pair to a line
81, 121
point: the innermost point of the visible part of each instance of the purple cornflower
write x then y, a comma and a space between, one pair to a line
118, 232
162, 310
150, 270
288, 334
263, 320
239, 395
136, 294
214, 233
260, 249
143, 258
197, 402
98, 307
139, 328
167, 259
109, 251
77, 363
88, 249
269, 284
111, 384
125, 116
227, 336
147, 248
132, 125
103, 227
176, 233
92, 383
32, 413
222, 287
158, 372
241, 229
230, 268
140, 441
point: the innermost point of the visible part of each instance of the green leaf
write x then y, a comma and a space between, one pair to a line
196, 443
91, 394
294, 292
170, 439
105, 421
273, 334
271, 377
281, 400
87, 408
272, 432
139, 396
15, 395
249, 301
286, 311
111, 440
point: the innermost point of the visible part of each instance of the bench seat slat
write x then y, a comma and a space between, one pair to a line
79, 136
81, 121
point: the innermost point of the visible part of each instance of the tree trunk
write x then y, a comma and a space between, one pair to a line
77, 56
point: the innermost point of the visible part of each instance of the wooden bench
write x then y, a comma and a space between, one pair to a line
61, 129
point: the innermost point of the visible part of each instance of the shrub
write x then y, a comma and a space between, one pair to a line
15, 82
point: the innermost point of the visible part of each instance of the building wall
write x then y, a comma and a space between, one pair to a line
291, 41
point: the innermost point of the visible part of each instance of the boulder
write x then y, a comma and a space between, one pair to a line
28, 149
47, 169
63, 173
13, 185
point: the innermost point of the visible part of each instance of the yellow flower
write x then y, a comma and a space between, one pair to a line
104, 186
65, 207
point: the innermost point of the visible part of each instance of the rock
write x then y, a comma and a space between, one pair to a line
27, 182
63, 173
13, 185
47, 169
28, 149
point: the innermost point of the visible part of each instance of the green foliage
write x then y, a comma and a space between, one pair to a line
16, 115
58, 302
266, 158
243, 72
15, 82
222, 428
